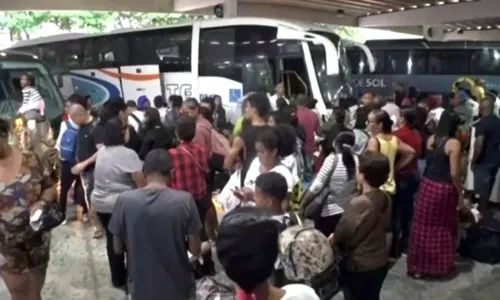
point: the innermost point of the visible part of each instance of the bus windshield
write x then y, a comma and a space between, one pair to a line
11, 71
332, 87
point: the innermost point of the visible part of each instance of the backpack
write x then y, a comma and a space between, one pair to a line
220, 145
69, 139
217, 287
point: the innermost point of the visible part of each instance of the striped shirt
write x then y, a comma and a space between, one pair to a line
32, 100
341, 189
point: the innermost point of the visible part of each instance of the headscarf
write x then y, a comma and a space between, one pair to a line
141, 103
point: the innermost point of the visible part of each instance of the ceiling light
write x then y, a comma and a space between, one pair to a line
427, 4
440, 3
488, 27
454, 1
414, 6
402, 8
379, 12
390, 10
468, 28
479, 27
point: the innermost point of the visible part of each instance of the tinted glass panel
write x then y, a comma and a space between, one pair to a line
357, 61
108, 51
171, 48
62, 55
406, 62
449, 62
225, 50
485, 61
379, 60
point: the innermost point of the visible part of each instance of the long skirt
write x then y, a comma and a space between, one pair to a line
433, 236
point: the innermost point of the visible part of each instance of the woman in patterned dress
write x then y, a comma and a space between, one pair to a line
431, 251
27, 183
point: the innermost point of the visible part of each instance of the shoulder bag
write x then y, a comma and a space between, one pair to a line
312, 210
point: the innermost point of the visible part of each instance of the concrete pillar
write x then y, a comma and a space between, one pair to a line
230, 8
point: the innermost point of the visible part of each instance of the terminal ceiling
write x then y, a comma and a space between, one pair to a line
460, 17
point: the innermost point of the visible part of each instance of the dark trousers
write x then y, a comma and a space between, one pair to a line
363, 285
402, 212
208, 266
327, 225
67, 180
116, 261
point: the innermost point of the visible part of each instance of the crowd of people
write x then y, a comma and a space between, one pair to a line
306, 204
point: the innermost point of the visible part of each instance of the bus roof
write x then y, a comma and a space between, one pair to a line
203, 24
424, 44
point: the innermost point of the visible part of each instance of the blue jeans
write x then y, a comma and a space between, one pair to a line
402, 211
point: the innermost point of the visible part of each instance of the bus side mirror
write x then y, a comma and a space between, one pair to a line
59, 81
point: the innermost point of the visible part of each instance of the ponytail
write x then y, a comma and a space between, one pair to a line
343, 144
348, 161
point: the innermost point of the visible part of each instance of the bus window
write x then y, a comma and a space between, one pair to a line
63, 55
225, 50
107, 52
406, 62
485, 61
170, 48
454, 62
357, 61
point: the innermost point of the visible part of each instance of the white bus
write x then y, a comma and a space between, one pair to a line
225, 57
13, 65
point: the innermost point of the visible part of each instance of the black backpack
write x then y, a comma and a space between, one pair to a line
482, 243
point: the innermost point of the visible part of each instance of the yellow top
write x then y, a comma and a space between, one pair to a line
389, 149
238, 126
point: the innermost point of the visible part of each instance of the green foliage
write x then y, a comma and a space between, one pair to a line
349, 33
21, 24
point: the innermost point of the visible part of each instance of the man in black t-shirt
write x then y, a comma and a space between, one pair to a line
89, 140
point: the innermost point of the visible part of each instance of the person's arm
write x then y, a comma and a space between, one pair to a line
48, 192
373, 145
62, 129
407, 155
116, 226
131, 164
194, 229
231, 158
453, 149
478, 143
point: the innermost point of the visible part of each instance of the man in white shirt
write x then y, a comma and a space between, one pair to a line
135, 117
160, 105
279, 93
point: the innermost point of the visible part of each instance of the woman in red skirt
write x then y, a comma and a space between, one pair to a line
431, 251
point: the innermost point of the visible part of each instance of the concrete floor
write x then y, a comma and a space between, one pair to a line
78, 270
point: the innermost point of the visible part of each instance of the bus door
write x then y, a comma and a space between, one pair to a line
303, 77
139, 81
292, 70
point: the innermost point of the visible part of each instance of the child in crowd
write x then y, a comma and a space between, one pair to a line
247, 249
271, 190
33, 106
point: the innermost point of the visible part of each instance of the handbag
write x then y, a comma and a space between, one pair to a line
312, 210
51, 218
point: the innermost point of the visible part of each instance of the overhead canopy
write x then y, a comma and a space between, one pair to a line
462, 18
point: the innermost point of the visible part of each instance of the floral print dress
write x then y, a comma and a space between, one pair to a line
21, 248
